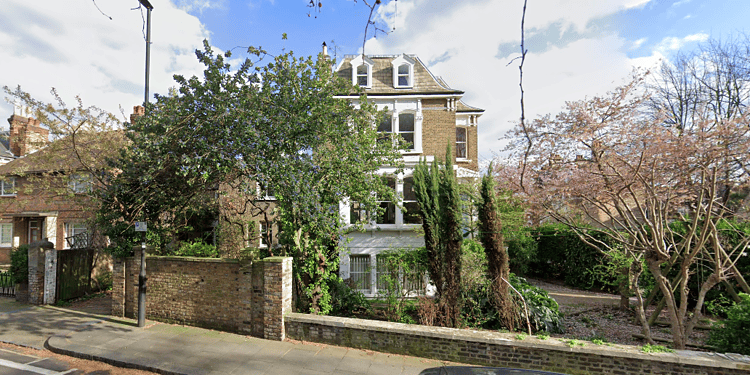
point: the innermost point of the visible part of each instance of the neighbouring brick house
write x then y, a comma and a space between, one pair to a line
44, 189
428, 114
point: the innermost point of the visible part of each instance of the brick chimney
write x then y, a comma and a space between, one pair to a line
26, 135
138, 111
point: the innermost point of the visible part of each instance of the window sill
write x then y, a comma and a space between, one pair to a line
463, 160
8, 196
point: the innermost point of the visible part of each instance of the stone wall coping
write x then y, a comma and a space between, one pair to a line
192, 259
275, 259
628, 352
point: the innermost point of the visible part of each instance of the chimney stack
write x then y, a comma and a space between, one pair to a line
26, 134
325, 49
138, 111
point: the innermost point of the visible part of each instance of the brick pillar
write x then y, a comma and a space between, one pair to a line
277, 296
37, 267
118, 287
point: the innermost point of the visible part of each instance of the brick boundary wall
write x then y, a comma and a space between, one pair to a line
223, 294
503, 350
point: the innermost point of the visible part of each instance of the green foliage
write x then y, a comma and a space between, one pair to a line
437, 192
197, 249
542, 335
400, 273
562, 255
347, 301
197, 155
719, 305
648, 348
544, 313
19, 264
103, 280
733, 334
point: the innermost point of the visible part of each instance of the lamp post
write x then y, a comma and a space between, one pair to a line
142, 273
148, 7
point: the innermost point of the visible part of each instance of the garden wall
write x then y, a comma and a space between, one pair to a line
503, 350
224, 294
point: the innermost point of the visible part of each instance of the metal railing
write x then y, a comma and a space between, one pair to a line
7, 285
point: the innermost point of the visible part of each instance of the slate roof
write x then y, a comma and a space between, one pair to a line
382, 78
463, 107
60, 156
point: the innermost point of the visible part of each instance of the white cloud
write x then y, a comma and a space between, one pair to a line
74, 48
638, 43
471, 44
669, 44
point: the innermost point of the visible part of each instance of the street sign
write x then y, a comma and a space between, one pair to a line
140, 226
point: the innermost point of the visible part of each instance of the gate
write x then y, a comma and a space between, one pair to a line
73, 273
7, 286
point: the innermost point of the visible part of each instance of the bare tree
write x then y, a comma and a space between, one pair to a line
654, 191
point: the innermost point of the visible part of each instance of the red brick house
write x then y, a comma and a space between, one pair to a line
44, 189
428, 114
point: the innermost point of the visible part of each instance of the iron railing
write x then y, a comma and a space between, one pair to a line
7, 286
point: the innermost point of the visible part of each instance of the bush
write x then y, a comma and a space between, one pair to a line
733, 335
345, 300
19, 264
561, 255
197, 249
544, 313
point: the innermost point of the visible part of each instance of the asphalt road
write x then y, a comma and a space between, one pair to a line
12, 363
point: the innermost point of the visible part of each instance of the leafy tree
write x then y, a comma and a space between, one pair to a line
436, 188
281, 126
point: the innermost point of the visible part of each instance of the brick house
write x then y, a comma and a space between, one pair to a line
44, 188
428, 114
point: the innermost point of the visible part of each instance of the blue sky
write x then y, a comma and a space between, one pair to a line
577, 48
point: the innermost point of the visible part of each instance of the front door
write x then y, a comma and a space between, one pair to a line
35, 230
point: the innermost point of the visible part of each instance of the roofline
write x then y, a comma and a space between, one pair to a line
474, 112
391, 96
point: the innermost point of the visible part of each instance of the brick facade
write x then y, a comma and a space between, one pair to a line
502, 350
223, 294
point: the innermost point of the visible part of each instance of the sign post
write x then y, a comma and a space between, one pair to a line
140, 226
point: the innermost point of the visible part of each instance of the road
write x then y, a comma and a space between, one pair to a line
15, 363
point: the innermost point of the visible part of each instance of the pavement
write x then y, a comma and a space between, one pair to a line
174, 349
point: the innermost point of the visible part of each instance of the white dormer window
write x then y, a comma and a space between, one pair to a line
403, 72
362, 71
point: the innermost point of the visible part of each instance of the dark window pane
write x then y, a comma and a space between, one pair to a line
403, 69
355, 213
403, 80
385, 124
409, 138
461, 150
409, 194
362, 80
406, 122
389, 214
362, 69
460, 134
411, 216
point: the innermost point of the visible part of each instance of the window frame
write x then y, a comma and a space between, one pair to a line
262, 233
465, 143
364, 275
80, 183
357, 62
9, 228
396, 64
71, 227
6, 191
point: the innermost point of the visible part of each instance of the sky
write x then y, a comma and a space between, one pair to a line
577, 49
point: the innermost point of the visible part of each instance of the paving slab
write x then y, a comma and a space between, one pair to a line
175, 349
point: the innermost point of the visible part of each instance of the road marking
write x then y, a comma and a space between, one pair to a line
25, 367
